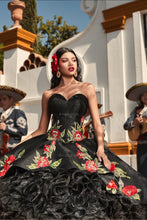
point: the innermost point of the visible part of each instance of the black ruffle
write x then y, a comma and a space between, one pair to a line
73, 194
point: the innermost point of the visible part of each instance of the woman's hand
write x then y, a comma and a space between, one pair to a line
102, 157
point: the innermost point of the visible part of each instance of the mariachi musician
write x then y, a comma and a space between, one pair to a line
13, 121
136, 124
88, 127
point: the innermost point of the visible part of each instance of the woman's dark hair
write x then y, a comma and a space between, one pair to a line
54, 80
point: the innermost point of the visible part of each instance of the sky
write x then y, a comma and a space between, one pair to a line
69, 9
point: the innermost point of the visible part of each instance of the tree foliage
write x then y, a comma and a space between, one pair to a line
49, 34
53, 32
30, 19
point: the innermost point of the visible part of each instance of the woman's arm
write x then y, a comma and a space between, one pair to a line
98, 129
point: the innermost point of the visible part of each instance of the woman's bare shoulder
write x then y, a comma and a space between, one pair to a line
48, 93
87, 88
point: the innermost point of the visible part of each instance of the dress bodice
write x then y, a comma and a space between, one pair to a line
67, 116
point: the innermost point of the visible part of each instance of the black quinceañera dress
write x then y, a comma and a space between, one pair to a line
58, 176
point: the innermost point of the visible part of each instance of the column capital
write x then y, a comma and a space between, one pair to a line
17, 38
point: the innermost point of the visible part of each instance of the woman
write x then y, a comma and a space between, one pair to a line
136, 124
60, 174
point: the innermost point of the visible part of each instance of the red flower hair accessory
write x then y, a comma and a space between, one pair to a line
54, 64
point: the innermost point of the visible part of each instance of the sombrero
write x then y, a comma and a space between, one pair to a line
136, 91
17, 94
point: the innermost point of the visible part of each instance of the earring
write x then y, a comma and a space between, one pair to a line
58, 74
75, 74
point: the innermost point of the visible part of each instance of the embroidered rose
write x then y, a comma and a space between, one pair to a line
90, 166
9, 160
129, 190
46, 148
78, 136
55, 134
79, 154
53, 142
112, 184
42, 162
78, 145
3, 172
54, 64
112, 168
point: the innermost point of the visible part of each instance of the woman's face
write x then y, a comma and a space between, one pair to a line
68, 64
144, 98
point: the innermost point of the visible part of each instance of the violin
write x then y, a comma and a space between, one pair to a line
87, 125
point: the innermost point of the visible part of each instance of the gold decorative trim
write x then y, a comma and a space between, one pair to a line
122, 148
17, 38
114, 24
115, 17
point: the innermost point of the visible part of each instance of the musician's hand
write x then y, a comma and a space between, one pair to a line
138, 120
102, 157
2, 126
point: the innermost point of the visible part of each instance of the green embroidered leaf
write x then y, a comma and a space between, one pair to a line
135, 196
32, 166
20, 154
37, 155
62, 134
102, 170
1, 163
96, 161
139, 190
69, 134
79, 166
56, 163
120, 183
114, 191
118, 172
5, 158
74, 129
107, 188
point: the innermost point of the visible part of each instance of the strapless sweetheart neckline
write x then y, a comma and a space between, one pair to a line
67, 100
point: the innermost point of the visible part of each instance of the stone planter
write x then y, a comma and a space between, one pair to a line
16, 7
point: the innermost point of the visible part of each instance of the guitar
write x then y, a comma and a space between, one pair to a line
102, 116
138, 130
4, 139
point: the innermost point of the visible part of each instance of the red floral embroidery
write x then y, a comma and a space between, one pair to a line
53, 142
3, 172
112, 168
79, 154
54, 64
112, 185
10, 160
90, 166
46, 148
82, 119
78, 136
55, 134
42, 162
129, 190
78, 145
